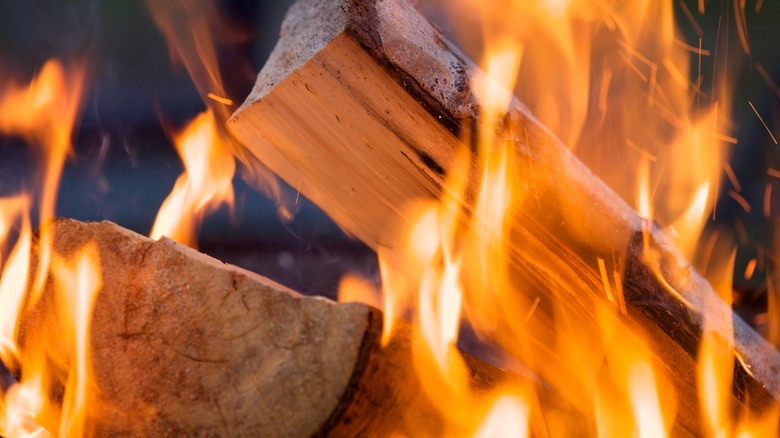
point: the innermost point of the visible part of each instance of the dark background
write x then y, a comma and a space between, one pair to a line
124, 165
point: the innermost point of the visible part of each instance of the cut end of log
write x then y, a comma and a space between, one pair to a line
184, 344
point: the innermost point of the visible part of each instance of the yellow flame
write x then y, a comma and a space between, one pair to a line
353, 288
79, 281
207, 181
44, 113
611, 79
21, 406
13, 282
716, 367
193, 31
716, 357
645, 403
508, 418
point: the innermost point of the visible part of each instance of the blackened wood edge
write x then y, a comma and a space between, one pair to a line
646, 296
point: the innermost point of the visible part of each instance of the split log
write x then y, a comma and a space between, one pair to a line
185, 345
363, 105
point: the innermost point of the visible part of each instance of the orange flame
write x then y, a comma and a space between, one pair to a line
206, 183
612, 80
508, 418
193, 30
44, 113
79, 282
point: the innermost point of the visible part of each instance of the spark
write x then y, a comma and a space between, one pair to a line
619, 290
732, 177
531, 311
750, 269
740, 200
773, 172
762, 121
691, 19
739, 17
220, 99
675, 73
767, 199
692, 49
759, 3
630, 64
699, 77
605, 280
701, 7
635, 53
641, 151
722, 137
768, 79
298, 195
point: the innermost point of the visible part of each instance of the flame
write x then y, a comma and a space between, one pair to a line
44, 113
13, 282
194, 31
31, 407
611, 79
79, 282
207, 181
353, 288
645, 403
508, 418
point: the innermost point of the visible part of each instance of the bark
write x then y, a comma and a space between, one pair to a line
182, 344
364, 106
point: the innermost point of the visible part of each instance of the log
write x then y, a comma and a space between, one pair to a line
364, 105
185, 345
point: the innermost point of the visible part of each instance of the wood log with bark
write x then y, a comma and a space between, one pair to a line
364, 106
185, 345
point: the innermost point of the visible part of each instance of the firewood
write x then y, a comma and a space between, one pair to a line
364, 105
183, 344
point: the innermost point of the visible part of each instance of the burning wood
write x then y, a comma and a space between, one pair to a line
184, 344
365, 106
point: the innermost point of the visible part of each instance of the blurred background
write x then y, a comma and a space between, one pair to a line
124, 163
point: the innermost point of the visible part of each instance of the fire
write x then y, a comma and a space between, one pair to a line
206, 183
645, 404
507, 419
79, 282
612, 80
193, 31
609, 78
44, 114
